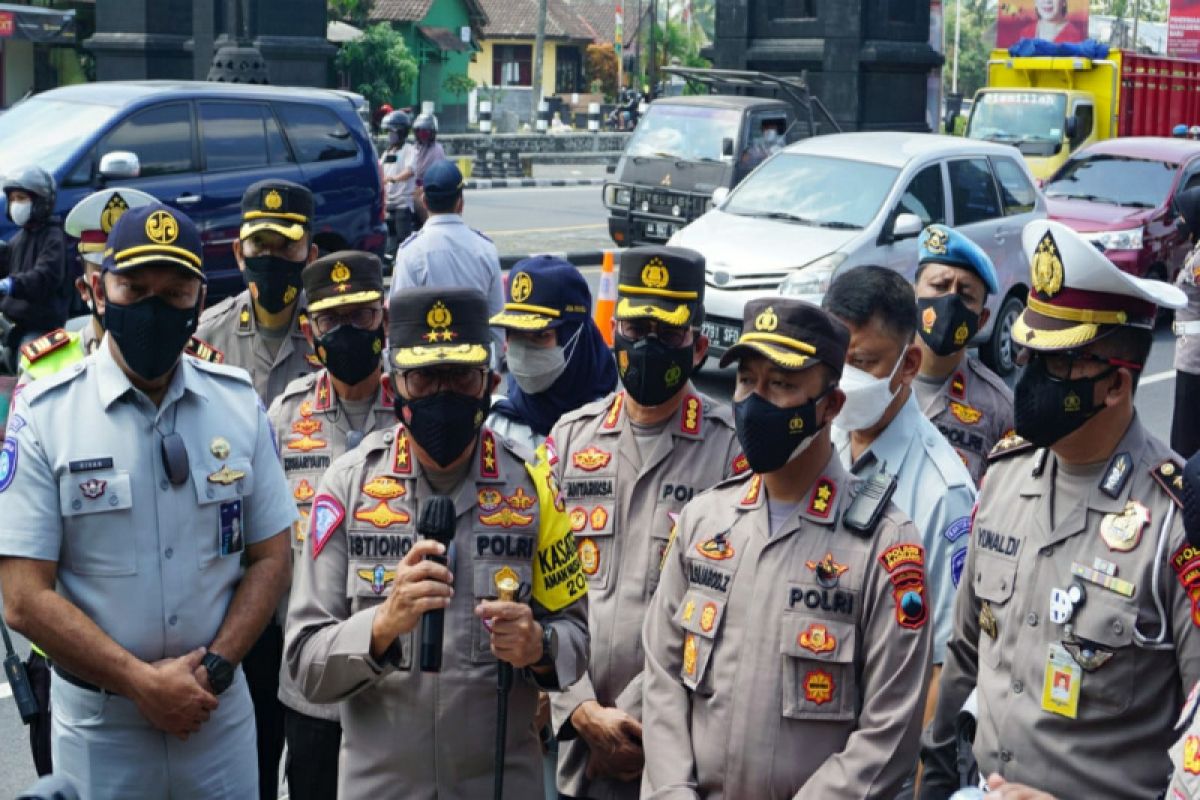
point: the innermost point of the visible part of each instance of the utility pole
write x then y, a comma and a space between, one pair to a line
535, 92
652, 68
957, 39
1137, 12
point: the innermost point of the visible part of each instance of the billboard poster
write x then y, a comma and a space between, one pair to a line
1183, 29
1052, 20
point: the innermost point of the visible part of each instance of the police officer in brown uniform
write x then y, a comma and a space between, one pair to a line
627, 464
262, 330
316, 419
787, 648
363, 583
969, 404
1078, 613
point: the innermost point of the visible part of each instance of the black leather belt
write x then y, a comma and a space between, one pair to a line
74, 681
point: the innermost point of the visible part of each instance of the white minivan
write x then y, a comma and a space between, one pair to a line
831, 203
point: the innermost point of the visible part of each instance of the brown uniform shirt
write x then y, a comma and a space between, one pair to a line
407, 733
973, 409
785, 666
622, 496
1077, 699
231, 328
310, 431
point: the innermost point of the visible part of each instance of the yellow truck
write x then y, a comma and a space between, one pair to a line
1050, 106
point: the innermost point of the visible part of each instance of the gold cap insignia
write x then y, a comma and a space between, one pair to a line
936, 241
113, 209
522, 287
162, 228
273, 201
439, 320
766, 320
340, 274
655, 275
1047, 267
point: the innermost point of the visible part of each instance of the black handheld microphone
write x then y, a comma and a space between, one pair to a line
436, 522
1191, 500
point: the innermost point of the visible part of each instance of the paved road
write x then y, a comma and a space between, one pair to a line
542, 220
1154, 404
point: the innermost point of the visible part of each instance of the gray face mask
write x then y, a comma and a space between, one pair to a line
535, 369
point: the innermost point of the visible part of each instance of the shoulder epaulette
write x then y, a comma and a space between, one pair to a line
204, 351
217, 310
226, 371
411, 236
989, 377
1010, 445
1169, 475
45, 345
483, 235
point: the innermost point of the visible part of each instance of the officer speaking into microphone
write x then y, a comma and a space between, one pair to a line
367, 578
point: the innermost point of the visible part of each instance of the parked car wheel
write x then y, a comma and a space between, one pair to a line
999, 353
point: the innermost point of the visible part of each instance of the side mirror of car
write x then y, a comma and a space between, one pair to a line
120, 164
906, 226
610, 168
718, 196
1071, 127
727, 147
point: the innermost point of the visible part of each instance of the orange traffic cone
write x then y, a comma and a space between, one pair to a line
606, 299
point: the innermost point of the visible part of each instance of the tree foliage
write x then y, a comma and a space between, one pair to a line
601, 68
379, 65
459, 84
353, 12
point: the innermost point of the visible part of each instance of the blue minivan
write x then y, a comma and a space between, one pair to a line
197, 146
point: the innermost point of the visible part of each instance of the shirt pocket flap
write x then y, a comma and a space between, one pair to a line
1106, 626
229, 481
994, 578
701, 614
816, 639
485, 578
93, 492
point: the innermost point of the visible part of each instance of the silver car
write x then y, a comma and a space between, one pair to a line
831, 203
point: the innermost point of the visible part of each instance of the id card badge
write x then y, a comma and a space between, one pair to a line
229, 536
1060, 688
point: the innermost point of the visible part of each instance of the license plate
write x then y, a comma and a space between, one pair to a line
660, 230
724, 336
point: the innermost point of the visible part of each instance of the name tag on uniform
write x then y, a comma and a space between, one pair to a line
229, 537
1060, 688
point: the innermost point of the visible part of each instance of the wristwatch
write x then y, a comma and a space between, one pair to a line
220, 672
549, 647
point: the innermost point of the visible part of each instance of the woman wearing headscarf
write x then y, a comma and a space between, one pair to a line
1185, 424
557, 359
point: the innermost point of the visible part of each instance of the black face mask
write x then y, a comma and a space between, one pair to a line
445, 423
349, 353
651, 372
770, 435
1048, 408
151, 333
946, 324
277, 280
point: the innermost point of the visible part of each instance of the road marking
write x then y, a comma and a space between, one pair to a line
518, 231
1157, 377
526, 189
5, 691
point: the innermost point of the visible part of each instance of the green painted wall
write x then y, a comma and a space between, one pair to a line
434, 64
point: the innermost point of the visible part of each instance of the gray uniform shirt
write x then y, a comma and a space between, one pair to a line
623, 496
231, 327
1185, 753
935, 491
408, 733
973, 409
154, 565
310, 430
1123, 543
1187, 348
785, 666
448, 252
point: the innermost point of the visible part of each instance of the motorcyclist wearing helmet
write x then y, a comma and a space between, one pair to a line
35, 286
426, 153
396, 161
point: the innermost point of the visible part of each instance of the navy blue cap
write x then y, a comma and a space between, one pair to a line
442, 179
154, 234
543, 292
942, 245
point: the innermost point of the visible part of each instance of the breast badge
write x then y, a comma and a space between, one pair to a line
1122, 532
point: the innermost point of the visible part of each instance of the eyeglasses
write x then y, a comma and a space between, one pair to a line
1059, 365
427, 381
364, 318
671, 336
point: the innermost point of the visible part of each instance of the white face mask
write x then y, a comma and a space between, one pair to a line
535, 369
20, 212
867, 397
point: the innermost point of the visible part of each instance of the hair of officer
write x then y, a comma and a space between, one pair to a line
859, 294
442, 203
1126, 344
